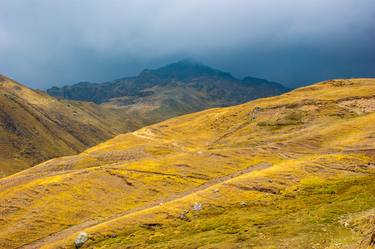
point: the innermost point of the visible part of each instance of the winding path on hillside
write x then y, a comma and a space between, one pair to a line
90, 223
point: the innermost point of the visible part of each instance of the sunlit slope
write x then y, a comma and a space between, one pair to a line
35, 127
282, 207
313, 154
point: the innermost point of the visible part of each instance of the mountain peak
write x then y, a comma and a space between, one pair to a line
183, 70
187, 62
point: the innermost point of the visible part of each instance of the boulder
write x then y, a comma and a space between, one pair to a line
197, 206
243, 204
81, 239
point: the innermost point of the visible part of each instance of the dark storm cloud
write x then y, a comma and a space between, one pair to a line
44, 43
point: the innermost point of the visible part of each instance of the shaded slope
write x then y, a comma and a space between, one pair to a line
35, 127
318, 193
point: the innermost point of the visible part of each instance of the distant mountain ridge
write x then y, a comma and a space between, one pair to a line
184, 73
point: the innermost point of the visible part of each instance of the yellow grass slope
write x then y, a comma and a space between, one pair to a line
293, 171
35, 127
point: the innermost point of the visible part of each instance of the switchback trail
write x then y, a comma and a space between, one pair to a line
90, 223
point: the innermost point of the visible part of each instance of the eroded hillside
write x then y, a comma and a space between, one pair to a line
293, 171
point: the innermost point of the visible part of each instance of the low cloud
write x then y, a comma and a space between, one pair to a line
44, 43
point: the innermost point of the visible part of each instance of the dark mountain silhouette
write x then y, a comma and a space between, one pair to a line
186, 76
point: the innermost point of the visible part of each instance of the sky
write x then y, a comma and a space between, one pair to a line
44, 43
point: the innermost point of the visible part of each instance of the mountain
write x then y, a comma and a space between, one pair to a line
35, 127
178, 88
292, 171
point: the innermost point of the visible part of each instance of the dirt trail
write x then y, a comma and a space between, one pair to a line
90, 223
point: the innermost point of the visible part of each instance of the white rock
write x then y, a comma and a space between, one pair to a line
81, 239
197, 206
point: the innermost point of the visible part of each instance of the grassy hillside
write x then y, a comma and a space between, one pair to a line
35, 127
293, 171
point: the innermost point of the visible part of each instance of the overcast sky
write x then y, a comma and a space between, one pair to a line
45, 42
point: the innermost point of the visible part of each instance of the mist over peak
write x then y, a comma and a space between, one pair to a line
47, 43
